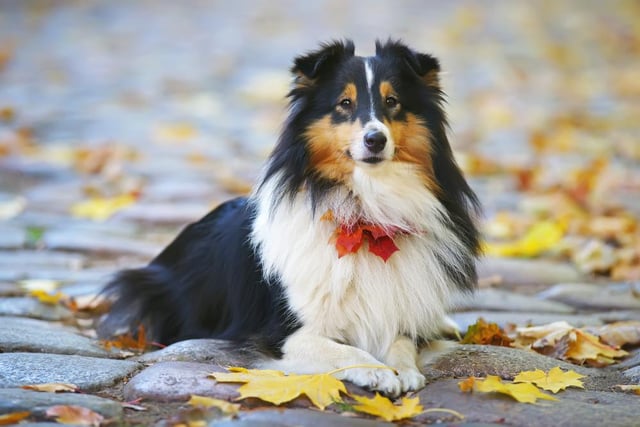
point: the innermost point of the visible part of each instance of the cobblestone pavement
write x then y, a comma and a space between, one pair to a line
176, 105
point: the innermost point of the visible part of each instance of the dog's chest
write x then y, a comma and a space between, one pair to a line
359, 298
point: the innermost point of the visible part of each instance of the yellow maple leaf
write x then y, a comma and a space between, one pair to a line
384, 408
554, 381
210, 402
101, 208
523, 392
47, 298
540, 238
276, 387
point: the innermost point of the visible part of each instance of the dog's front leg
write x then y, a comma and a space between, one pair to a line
309, 353
403, 356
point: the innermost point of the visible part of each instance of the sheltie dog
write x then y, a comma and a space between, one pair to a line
354, 243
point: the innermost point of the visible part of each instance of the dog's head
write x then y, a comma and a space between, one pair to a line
365, 112
367, 116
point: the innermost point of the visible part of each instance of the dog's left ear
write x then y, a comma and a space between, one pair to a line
307, 68
424, 65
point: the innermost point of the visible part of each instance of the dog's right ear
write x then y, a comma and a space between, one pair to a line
307, 68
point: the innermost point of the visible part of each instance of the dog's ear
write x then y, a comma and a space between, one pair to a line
307, 68
424, 65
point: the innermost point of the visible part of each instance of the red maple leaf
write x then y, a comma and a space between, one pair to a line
350, 239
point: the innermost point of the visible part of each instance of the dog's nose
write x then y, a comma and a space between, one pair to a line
375, 141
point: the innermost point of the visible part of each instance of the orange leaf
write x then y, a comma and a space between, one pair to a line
70, 414
13, 418
486, 334
467, 385
128, 341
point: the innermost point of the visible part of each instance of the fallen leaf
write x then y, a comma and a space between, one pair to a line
635, 388
467, 385
384, 408
52, 387
12, 207
523, 392
554, 381
587, 348
563, 341
101, 208
136, 342
618, 333
486, 334
209, 402
276, 387
44, 285
540, 238
13, 418
70, 414
47, 298
175, 132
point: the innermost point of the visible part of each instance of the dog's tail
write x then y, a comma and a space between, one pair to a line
143, 296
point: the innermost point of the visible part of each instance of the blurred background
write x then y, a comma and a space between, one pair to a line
120, 121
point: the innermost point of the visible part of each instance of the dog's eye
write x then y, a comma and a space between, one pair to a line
391, 101
346, 103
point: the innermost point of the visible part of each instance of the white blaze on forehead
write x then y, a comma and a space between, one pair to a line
370, 78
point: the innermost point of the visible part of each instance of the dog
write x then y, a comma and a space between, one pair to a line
357, 238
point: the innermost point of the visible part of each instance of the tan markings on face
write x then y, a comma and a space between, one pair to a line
413, 145
386, 89
350, 92
328, 145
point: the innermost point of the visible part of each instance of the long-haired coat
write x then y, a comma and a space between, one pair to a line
354, 243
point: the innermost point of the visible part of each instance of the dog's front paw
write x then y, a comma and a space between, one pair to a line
381, 379
411, 380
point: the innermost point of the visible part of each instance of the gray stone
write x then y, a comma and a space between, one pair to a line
217, 352
574, 408
480, 360
176, 381
17, 400
164, 213
633, 374
88, 373
599, 297
31, 307
465, 319
12, 237
295, 418
97, 243
29, 335
526, 275
41, 259
10, 289
502, 300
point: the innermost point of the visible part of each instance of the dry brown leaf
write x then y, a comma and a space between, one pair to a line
52, 387
13, 418
70, 414
618, 334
